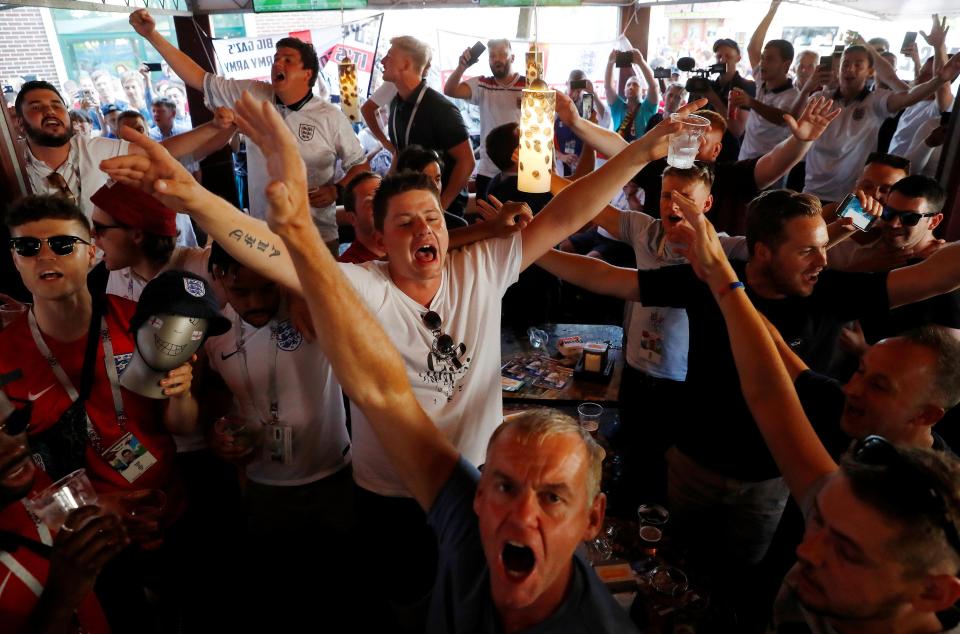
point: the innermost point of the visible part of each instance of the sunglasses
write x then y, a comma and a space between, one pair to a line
443, 345
28, 246
18, 420
915, 487
99, 227
907, 218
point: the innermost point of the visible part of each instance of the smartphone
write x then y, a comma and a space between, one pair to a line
826, 62
87, 94
838, 50
661, 73
476, 51
624, 59
578, 84
850, 208
909, 38
153, 67
586, 105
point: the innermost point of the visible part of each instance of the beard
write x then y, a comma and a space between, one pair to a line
500, 72
46, 139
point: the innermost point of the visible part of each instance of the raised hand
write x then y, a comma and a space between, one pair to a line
739, 98
566, 109
654, 143
702, 246
814, 119
287, 193
466, 58
938, 32
506, 218
142, 22
224, 118
156, 172
950, 70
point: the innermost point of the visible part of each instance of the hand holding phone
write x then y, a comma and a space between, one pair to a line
909, 39
850, 207
586, 105
475, 52
624, 59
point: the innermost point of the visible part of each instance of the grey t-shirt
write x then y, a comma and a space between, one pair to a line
461, 599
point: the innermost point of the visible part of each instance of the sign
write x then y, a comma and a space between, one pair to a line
252, 57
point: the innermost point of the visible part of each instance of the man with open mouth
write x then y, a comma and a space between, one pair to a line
323, 132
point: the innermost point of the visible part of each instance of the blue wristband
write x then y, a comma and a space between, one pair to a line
729, 289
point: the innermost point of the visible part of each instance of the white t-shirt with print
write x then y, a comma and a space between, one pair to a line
323, 135
81, 170
498, 105
658, 338
760, 136
911, 119
836, 159
308, 394
464, 402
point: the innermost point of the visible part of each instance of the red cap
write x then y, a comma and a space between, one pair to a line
136, 209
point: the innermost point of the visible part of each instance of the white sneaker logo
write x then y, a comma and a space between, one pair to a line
32, 397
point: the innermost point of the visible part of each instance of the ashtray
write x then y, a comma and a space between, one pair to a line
669, 580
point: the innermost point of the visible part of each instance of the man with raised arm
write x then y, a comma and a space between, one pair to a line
881, 549
323, 132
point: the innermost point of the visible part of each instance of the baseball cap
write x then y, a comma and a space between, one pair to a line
726, 41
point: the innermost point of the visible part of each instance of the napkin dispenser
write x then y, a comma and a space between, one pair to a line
595, 357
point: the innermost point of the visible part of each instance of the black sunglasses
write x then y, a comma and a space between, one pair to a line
443, 344
907, 218
99, 227
914, 486
28, 246
18, 420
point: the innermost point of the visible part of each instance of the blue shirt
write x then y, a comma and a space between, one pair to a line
618, 110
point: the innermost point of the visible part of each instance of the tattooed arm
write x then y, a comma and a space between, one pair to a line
249, 240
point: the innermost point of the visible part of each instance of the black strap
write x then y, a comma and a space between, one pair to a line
97, 286
11, 541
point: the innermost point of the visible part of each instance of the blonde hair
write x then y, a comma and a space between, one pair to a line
536, 425
418, 50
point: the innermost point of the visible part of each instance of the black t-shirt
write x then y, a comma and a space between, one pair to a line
734, 185
716, 429
823, 399
437, 125
746, 85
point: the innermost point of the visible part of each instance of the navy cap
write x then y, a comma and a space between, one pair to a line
180, 293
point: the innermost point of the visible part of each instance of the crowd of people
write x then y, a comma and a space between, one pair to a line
323, 423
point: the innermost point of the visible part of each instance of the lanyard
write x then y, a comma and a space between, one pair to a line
413, 115
274, 417
108, 362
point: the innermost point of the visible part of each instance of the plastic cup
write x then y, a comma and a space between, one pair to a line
10, 312
53, 504
650, 537
538, 338
683, 145
589, 414
236, 431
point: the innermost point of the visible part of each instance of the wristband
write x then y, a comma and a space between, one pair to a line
726, 290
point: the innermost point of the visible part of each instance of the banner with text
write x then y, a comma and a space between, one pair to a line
252, 57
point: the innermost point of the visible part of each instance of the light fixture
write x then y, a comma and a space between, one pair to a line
537, 112
349, 101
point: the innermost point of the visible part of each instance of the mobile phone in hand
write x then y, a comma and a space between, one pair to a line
909, 39
624, 59
850, 208
586, 105
153, 67
476, 51
826, 62
578, 84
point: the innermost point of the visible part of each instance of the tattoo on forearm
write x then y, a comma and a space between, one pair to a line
253, 242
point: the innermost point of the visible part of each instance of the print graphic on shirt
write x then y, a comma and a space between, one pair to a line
651, 341
446, 365
306, 131
288, 337
122, 361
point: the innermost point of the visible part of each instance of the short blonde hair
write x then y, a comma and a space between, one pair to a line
535, 425
418, 50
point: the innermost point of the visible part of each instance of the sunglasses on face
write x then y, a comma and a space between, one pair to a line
907, 218
914, 487
99, 227
28, 246
18, 420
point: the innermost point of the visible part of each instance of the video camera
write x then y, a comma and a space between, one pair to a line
700, 83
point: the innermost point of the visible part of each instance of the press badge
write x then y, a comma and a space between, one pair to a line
129, 457
279, 443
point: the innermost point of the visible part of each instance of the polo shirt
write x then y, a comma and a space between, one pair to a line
324, 137
760, 136
498, 104
461, 600
715, 427
836, 159
81, 170
436, 124
619, 110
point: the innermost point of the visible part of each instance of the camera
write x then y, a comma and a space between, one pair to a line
700, 82
624, 59
661, 73
580, 84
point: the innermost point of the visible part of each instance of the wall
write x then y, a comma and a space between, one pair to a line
24, 48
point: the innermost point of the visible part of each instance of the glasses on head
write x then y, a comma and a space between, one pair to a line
99, 227
57, 180
443, 345
28, 246
914, 486
907, 218
18, 420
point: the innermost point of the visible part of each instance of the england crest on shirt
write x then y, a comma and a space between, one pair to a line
306, 131
122, 361
194, 287
288, 337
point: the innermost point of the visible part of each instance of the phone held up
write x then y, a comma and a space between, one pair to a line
850, 208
